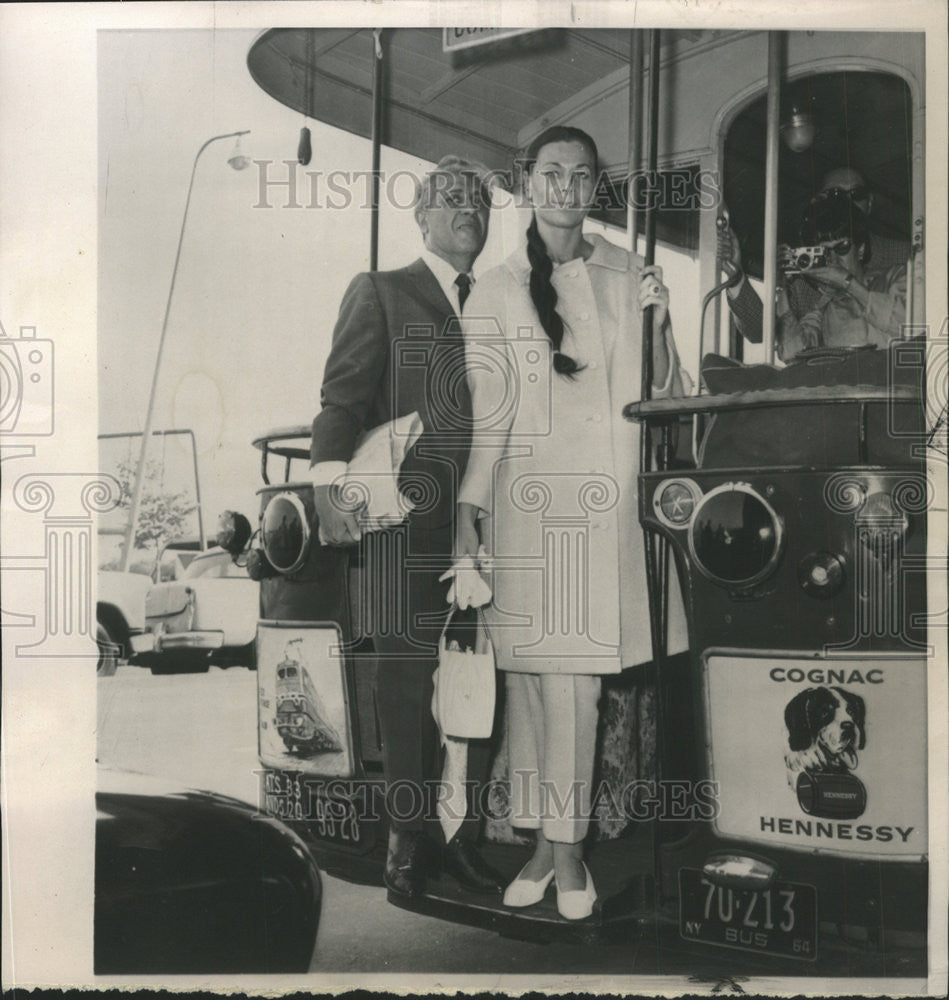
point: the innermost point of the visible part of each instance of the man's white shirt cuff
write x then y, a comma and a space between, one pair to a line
324, 473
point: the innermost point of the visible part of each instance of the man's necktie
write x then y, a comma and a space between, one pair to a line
463, 281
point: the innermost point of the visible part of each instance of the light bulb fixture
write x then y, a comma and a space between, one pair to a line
798, 131
237, 160
304, 147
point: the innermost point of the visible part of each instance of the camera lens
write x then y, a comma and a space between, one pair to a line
803, 261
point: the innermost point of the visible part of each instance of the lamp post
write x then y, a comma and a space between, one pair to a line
238, 163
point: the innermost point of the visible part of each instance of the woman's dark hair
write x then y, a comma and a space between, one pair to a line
543, 293
836, 217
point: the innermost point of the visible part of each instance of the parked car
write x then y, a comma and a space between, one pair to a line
124, 580
194, 882
207, 613
120, 618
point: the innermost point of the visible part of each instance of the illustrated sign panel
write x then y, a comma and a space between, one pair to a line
826, 754
302, 714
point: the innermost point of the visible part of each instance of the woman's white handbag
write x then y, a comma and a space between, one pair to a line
463, 701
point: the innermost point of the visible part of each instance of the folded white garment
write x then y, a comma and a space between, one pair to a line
371, 480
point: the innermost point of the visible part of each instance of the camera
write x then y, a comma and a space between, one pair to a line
26, 384
514, 371
795, 260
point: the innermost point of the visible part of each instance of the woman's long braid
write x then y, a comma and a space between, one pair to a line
544, 297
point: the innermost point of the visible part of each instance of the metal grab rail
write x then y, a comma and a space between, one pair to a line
754, 399
265, 444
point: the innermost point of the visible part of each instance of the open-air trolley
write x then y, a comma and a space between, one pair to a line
764, 796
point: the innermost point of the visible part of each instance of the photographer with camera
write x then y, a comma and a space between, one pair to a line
842, 185
856, 306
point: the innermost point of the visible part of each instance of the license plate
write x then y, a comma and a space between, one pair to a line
779, 920
291, 796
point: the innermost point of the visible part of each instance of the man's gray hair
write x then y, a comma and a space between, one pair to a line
443, 175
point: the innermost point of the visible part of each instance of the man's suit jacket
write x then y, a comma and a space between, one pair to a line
397, 348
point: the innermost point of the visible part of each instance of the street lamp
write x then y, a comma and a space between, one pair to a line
238, 162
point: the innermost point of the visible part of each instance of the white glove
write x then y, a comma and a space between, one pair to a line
468, 588
485, 562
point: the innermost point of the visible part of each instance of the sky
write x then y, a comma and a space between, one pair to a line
257, 288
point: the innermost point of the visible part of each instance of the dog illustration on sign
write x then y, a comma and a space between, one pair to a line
301, 716
826, 727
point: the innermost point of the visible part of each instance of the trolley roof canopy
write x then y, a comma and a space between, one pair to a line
485, 102
488, 101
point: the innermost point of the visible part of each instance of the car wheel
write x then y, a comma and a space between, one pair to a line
108, 652
181, 663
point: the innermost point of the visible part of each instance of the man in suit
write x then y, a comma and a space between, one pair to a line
397, 349
802, 296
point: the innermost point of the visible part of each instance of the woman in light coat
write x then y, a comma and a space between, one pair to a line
553, 342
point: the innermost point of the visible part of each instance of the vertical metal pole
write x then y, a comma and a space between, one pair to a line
652, 160
202, 541
655, 559
775, 40
376, 138
136, 500
655, 583
310, 70
649, 331
907, 330
635, 145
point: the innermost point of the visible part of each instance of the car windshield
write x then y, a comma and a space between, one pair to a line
217, 562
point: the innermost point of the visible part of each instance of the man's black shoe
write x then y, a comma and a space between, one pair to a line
462, 860
409, 861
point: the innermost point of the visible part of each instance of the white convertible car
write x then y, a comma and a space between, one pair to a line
208, 613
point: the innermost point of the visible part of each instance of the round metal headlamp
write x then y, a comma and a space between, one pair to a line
821, 574
285, 532
675, 500
735, 537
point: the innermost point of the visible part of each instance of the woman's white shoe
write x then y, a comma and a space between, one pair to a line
578, 903
524, 892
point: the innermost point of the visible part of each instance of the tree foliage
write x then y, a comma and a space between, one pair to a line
163, 514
